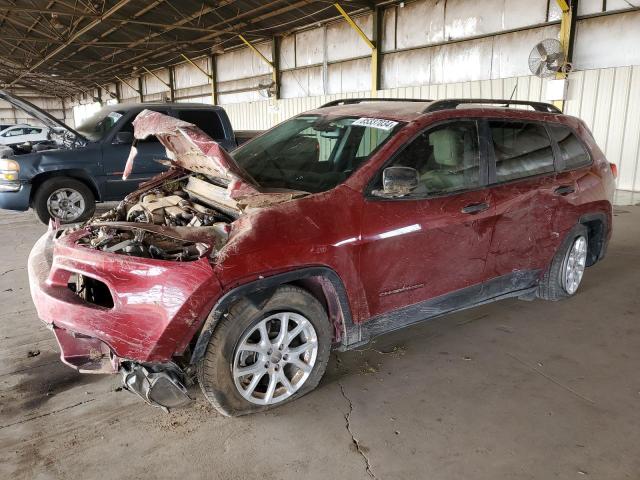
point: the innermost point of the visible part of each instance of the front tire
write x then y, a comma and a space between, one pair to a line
63, 198
565, 273
260, 358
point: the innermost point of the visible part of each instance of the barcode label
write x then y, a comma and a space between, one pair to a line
379, 123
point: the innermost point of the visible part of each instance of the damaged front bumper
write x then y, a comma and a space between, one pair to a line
140, 311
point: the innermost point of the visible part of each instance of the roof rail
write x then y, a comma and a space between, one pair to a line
451, 103
352, 101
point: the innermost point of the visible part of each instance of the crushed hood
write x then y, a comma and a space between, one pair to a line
191, 149
46, 118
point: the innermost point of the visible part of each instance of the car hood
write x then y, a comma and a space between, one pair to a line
46, 118
191, 149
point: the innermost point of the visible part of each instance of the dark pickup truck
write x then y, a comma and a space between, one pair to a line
87, 165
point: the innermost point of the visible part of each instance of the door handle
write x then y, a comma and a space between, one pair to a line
564, 190
473, 208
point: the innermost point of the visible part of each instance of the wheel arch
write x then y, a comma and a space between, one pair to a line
76, 174
320, 281
597, 227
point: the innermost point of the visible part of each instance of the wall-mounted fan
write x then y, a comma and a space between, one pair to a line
547, 58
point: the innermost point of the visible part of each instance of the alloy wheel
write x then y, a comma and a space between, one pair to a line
274, 358
574, 265
66, 204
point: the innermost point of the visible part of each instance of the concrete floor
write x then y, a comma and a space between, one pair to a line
510, 390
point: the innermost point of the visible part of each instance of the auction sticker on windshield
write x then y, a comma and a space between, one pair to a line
379, 123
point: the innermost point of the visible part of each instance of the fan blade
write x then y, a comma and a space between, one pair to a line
539, 69
541, 50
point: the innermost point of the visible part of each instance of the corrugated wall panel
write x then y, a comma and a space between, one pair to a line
608, 100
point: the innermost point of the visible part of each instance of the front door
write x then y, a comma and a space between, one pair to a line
434, 240
115, 153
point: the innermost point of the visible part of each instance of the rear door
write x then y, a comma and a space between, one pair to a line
523, 192
115, 153
435, 240
574, 181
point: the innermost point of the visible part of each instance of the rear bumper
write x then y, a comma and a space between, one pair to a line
15, 196
157, 305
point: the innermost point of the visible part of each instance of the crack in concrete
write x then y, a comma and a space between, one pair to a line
356, 443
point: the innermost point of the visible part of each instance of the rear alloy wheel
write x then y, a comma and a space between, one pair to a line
262, 356
565, 273
65, 199
574, 265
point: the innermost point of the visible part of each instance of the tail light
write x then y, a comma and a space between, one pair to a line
614, 170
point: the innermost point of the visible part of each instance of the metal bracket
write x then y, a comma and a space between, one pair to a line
371, 44
129, 85
274, 70
208, 75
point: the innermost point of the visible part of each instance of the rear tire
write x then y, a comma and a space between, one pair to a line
554, 285
238, 344
50, 195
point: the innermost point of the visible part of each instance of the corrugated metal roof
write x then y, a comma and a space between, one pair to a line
57, 46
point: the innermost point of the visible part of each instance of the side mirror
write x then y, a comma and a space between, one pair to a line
123, 138
398, 181
26, 147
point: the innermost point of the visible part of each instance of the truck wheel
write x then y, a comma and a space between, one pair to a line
564, 275
64, 198
260, 358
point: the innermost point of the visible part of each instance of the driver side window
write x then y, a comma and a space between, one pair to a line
446, 158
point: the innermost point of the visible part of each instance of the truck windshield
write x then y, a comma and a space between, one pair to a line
313, 153
99, 124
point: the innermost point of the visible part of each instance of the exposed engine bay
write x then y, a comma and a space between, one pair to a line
187, 212
153, 224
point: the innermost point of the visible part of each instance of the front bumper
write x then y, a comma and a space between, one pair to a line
157, 305
15, 196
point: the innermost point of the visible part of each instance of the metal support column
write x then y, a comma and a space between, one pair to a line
275, 65
140, 89
567, 36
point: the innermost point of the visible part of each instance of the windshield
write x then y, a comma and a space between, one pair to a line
99, 124
313, 153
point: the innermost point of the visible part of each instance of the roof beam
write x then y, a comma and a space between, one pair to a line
77, 34
229, 31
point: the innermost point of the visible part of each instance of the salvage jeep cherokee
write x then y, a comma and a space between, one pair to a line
242, 271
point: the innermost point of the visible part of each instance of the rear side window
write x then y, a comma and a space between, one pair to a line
573, 154
521, 149
206, 120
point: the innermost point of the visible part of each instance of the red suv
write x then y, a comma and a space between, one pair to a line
243, 271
